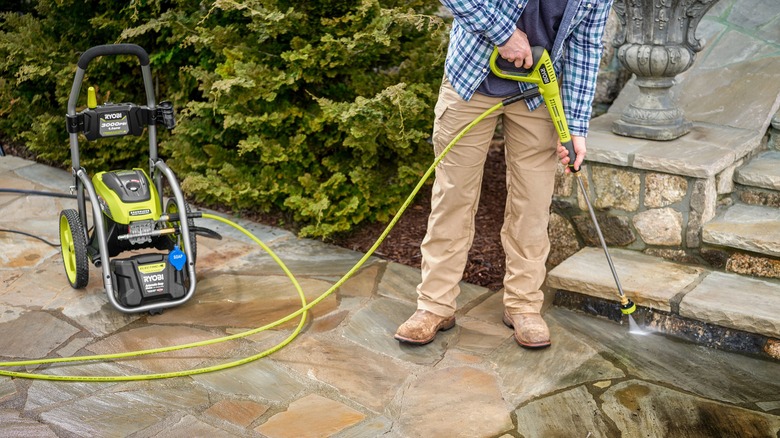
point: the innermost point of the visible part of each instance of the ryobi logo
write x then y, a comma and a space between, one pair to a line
545, 76
151, 268
140, 212
153, 278
113, 116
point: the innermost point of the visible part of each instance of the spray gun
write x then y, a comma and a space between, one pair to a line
542, 74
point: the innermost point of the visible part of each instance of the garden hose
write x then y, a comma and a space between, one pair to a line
131, 354
300, 312
626, 309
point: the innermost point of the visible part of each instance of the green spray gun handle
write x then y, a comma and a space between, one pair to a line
507, 70
542, 74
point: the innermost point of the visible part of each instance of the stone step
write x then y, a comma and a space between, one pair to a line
762, 171
712, 297
748, 227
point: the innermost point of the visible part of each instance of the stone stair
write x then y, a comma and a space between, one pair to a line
734, 306
693, 224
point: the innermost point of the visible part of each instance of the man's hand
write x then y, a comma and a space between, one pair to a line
517, 50
579, 148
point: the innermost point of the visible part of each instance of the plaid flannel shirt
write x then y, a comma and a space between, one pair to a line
479, 25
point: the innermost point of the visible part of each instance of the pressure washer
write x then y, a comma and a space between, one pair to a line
127, 204
542, 74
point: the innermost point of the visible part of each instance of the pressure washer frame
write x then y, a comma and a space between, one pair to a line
148, 117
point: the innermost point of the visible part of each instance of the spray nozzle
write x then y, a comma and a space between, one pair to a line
627, 306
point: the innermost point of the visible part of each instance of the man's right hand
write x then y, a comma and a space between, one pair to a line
517, 50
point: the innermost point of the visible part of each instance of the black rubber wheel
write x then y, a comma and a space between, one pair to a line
177, 239
73, 244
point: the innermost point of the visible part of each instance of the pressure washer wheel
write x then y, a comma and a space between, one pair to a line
74, 249
177, 239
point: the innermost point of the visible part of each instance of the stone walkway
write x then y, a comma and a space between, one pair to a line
344, 375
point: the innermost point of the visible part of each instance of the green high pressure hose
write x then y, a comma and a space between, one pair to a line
300, 312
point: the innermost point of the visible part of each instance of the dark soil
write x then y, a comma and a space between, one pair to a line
485, 265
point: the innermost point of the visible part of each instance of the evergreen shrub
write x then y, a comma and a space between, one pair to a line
317, 109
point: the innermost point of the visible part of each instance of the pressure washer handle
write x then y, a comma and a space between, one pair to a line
569, 145
113, 49
542, 74
507, 70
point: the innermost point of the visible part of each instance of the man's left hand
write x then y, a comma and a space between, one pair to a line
579, 148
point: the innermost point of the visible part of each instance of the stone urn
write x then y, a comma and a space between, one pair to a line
656, 41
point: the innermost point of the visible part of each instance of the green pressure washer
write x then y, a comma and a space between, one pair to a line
127, 208
542, 74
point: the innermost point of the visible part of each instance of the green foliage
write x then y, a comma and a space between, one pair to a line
39, 51
319, 109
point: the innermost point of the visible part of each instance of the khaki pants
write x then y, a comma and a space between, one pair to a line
531, 159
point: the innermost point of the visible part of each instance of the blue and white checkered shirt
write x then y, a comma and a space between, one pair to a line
480, 25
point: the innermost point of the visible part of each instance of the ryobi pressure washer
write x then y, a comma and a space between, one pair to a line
127, 207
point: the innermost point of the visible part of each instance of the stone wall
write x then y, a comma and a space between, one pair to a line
655, 196
653, 212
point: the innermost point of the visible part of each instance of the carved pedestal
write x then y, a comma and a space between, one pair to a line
657, 42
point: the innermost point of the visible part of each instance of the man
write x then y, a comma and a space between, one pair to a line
571, 31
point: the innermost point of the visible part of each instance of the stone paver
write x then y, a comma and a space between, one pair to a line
239, 412
573, 410
750, 227
704, 152
345, 376
124, 412
311, 416
762, 171
335, 363
34, 334
13, 425
752, 305
728, 378
471, 398
262, 381
648, 281
529, 374
645, 409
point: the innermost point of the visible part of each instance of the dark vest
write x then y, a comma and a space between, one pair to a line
540, 21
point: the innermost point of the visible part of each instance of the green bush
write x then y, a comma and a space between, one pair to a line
38, 54
317, 109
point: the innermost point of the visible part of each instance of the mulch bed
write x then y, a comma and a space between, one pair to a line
485, 265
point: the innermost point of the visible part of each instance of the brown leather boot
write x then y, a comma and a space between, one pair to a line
530, 329
422, 326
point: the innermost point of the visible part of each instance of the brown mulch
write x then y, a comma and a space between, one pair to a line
485, 265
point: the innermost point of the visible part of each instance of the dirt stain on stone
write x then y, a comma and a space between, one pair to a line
24, 260
719, 420
630, 395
